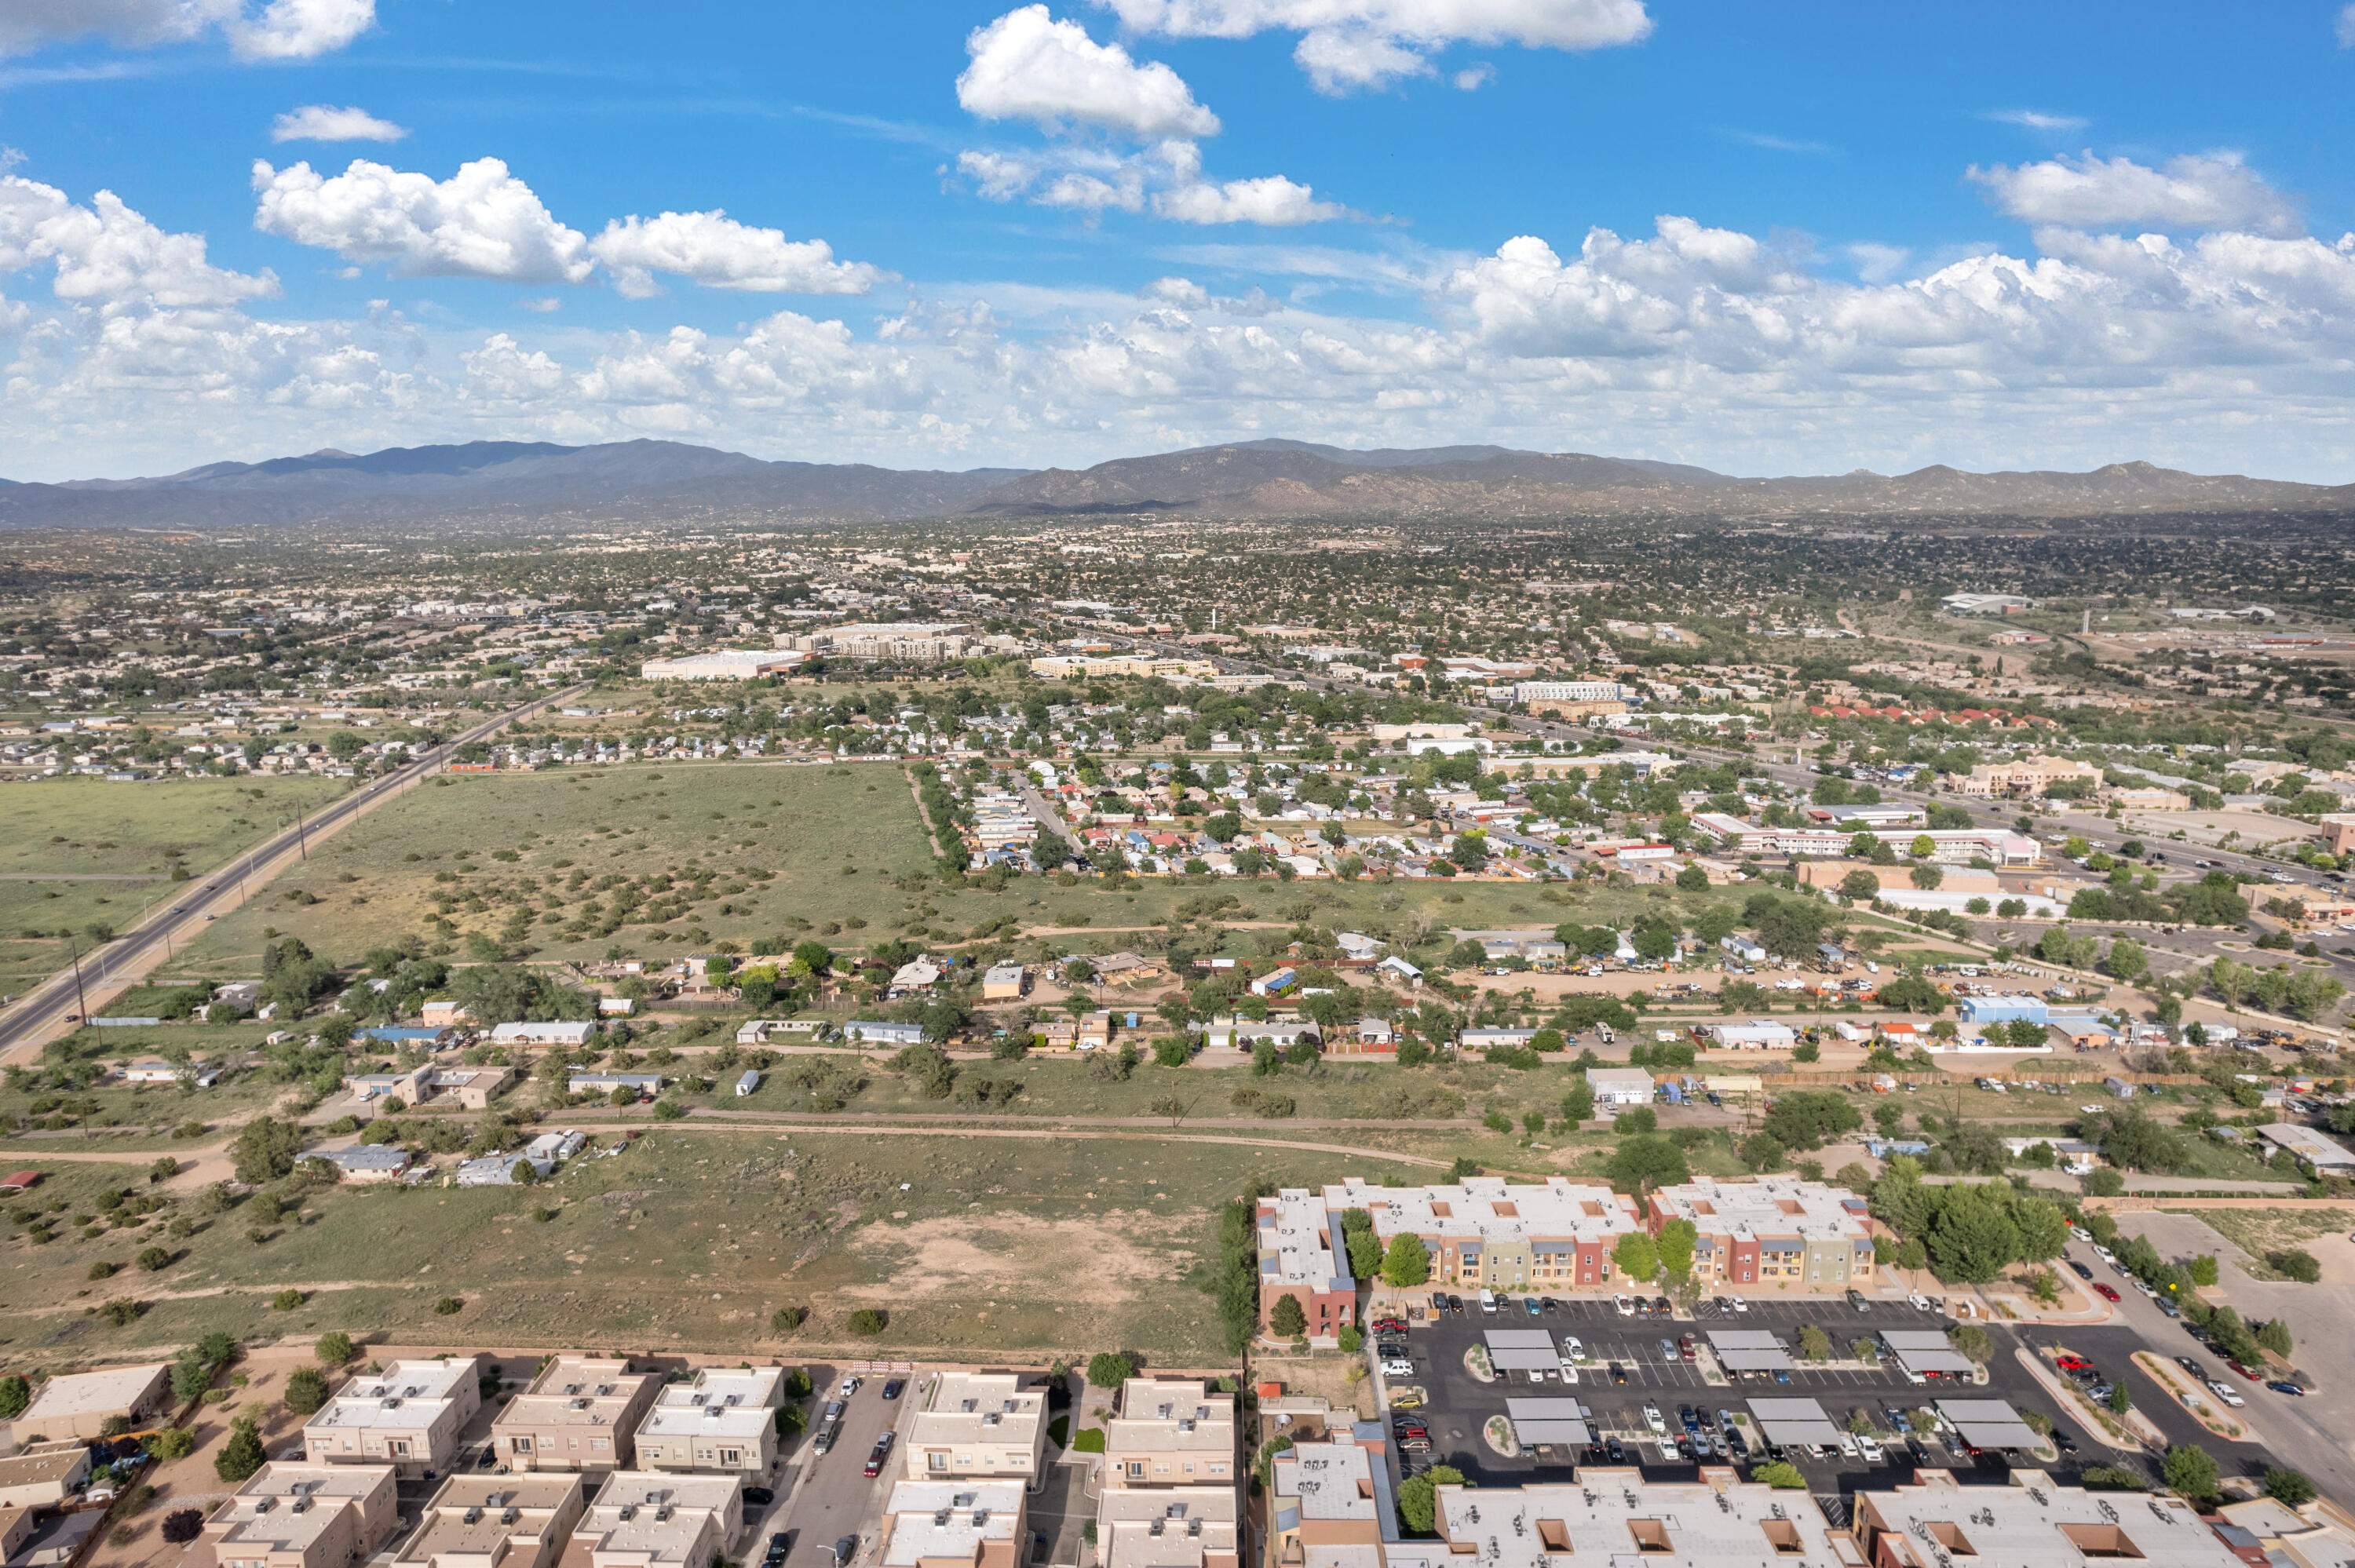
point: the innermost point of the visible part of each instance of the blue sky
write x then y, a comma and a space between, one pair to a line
1768, 239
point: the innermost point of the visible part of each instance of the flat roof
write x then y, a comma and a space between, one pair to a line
1550, 1421
1748, 1349
110, 1392
60, 1464
949, 1519
1795, 1421
1988, 1422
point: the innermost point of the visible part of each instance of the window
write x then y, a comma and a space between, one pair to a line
521, 1445
401, 1447
600, 1444
936, 1461
731, 1456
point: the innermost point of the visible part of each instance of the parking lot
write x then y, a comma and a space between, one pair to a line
1627, 1367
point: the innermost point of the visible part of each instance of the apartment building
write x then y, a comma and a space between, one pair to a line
1948, 846
1614, 1515
581, 1413
408, 1416
1486, 1233
496, 1522
293, 1515
1302, 1254
978, 1424
723, 1419
926, 641
1167, 1526
1936, 1521
953, 1524
643, 1519
1175, 1440
1325, 1510
2023, 776
1774, 1232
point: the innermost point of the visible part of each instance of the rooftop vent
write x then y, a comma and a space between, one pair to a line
1154, 1529
509, 1515
581, 1403
980, 1517
992, 1419
263, 1505
603, 1390
940, 1516
1193, 1527
969, 1406
662, 1514
474, 1515
572, 1388
629, 1512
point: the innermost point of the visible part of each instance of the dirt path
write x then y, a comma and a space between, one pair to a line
931, 833
1126, 1127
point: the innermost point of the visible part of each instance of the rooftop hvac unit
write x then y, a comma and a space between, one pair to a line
473, 1516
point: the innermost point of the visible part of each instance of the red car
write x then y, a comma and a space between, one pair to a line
2107, 1293
2252, 1373
2070, 1362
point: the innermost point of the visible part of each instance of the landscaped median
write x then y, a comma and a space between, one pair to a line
2201, 1403
2129, 1432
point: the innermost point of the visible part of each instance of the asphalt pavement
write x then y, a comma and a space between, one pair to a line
823, 1498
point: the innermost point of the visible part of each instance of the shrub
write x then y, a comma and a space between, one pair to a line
2296, 1262
868, 1321
102, 1269
183, 1525
450, 1306
1110, 1369
306, 1391
16, 1395
242, 1454
287, 1300
172, 1443
1781, 1474
785, 1319
153, 1259
335, 1348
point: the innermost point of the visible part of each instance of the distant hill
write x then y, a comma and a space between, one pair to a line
647, 480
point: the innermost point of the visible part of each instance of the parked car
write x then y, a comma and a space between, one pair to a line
849, 1386
1396, 1368
1870, 1448
1856, 1300
2063, 1442
759, 1497
880, 1453
1574, 1348
2108, 1292
1618, 1373
2082, 1271
1686, 1347
2283, 1385
1625, 1307
845, 1550
1920, 1303
1663, 1307
780, 1546
891, 1389
1652, 1419
2223, 1391
2070, 1362
1741, 1305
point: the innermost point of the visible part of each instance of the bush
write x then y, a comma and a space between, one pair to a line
2291, 1489
785, 1319
1351, 1340
868, 1321
2296, 1262
1088, 1440
16, 1395
183, 1525
335, 1348
306, 1391
450, 1306
242, 1454
1110, 1369
153, 1259
172, 1443
287, 1300
102, 1269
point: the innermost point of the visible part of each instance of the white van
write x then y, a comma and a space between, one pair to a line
1487, 1301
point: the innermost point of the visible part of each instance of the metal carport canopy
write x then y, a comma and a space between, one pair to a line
1928, 1351
1988, 1422
1522, 1349
1748, 1349
1550, 1421
1795, 1421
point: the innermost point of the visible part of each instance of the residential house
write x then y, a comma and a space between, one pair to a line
978, 1423
1757, 1035
647, 1085
44, 1475
882, 1032
722, 1419
293, 1515
1171, 1491
2318, 1154
1002, 982
366, 1162
1371, 1037
1241, 1033
1325, 1510
581, 1413
494, 1521
570, 1034
408, 1416
80, 1405
443, 1013
641, 1519
953, 1524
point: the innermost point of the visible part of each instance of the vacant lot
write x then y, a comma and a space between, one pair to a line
83, 825
692, 1240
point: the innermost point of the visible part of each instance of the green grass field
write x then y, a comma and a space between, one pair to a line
82, 825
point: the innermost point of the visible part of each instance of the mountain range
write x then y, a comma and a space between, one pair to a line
644, 481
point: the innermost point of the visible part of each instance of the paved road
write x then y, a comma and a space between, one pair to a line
830, 1497
49, 1006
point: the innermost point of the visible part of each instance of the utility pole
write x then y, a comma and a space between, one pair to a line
302, 839
80, 998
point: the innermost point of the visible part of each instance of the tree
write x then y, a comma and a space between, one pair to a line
1418, 1497
2296, 1262
2121, 1398
183, 1525
1110, 1369
2273, 1335
1407, 1262
1639, 1257
242, 1454
1648, 1162
306, 1391
1692, 879
1677, 1243
1762, 1152
867, 1321
153, 1259
191, 1375
2192, 1471
335, 1348
1578, 1103
1782, 1476
2204, 1270
1859, 887
266, 1150
172, 1443
2291, 1489
1815, 1345
1637, 1120
1286, 1319
1807, 1119
1970, 1339
785, 1319
16, 1395
1365, 1248
1926, 876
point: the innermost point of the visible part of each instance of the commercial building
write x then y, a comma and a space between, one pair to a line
291, 1515
1937, 1522
918, 642
724, 665
978, 1424
723, 1419
1774, 1232
581, 1413
642, 1520
2013, 1009
1484, 1232
1303, 1256
1757, 1035
43, 1476
953, 1524
408, 1416
1948, 846
1617, 1086
80, 1405
496, 1522
1612, 1515
2025, 776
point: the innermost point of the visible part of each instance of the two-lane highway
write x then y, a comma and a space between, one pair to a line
53, 1006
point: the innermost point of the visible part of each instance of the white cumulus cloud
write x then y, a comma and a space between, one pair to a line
280, 30
2036, 120
2197, 191
714, 249
109, 256
1271, 200
1348, 44
2346, 29
482, 222
324, 122
1025, 65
